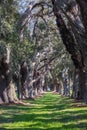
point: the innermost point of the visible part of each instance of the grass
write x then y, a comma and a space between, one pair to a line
50, 112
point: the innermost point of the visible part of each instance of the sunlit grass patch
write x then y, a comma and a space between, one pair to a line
50, 112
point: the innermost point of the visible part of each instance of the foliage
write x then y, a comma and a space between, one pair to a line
41, 39
8, 13
21, 52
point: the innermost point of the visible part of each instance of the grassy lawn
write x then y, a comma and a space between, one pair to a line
50, 112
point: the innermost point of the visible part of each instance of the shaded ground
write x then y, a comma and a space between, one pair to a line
51, 112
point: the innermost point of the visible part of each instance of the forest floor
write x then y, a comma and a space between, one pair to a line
50, 112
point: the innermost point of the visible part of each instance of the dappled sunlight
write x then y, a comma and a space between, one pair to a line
43, 65
51, 112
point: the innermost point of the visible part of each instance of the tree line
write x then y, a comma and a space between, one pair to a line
34, 43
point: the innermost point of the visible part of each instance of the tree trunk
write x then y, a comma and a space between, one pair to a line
23, 77
76, 46
75, 91
7, 90
83, 85
80, 85
5, 77
83, 9
3, 92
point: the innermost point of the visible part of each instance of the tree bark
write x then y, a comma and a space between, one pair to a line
76, 47
80, 85
7, 90
83, 85
75, 91
83, 9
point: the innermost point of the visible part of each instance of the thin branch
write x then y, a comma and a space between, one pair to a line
52, 58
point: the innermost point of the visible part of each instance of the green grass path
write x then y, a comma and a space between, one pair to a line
50, 112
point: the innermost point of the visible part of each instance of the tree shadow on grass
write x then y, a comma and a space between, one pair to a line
55, 111
3, 129
45, 119
36, 128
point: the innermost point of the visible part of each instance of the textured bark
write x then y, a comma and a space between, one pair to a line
76, 45
83, 85
68, 39
83, 40
66, 86
6, 88
75, 84
23, 74
80, 85
83, 8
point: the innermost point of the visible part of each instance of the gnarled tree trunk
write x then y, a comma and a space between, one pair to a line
7, 90
76, 45
5, 78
